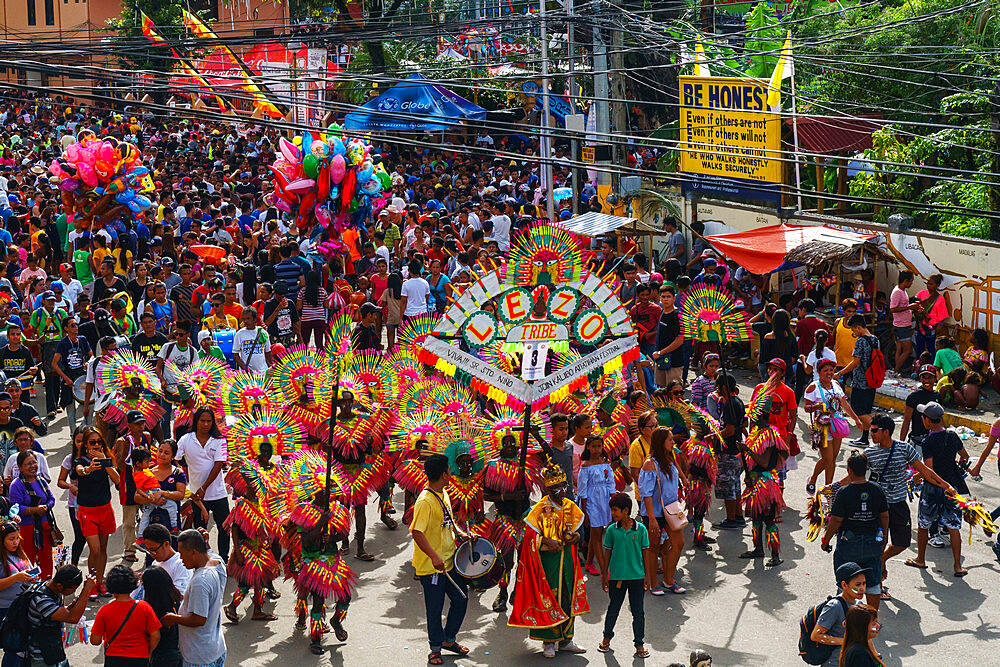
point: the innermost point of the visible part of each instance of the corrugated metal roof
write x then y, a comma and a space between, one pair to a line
820, 134
596, 224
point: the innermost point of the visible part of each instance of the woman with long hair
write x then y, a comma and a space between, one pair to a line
79, 541
780, 342
439, 285
825, 401
94, 472
173, 484
819, 352
860, 627
312, 310
659, 483
164, 598
32, 495
14, 566
203, 451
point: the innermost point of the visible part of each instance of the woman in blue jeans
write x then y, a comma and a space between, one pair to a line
659, 479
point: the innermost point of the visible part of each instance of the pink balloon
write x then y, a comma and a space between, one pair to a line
338, 167
106, 152
72, 152
87, 174
282, 205
288, 150
300, 185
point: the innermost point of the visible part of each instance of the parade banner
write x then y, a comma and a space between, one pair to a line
726, 130
582, 367
507, 383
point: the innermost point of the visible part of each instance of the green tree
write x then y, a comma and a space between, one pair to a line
884, 182
126, 29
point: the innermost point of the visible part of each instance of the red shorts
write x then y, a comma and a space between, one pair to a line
97, 520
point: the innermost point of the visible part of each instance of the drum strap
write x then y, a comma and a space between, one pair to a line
448, 518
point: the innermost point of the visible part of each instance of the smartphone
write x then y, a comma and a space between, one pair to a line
34, 572
105, 463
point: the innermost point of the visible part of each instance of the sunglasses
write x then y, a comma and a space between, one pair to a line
95, 442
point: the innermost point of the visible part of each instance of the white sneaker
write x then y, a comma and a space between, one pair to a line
549, 649
572, 647
938, 542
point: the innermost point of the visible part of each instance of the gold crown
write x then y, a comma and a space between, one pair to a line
553, 474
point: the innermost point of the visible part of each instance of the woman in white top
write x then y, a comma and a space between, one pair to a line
820, 351
824, 400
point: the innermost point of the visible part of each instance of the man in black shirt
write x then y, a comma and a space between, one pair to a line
8, 426
15, 360
940, 447
729, 411
25, 412
109, 284
926, 394
860, 520
669, 355
366, 336
147, 343
280, 316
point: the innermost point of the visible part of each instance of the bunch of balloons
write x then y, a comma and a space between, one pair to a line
102, 181
323, 178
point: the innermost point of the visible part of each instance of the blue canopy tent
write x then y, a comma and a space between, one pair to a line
414, 105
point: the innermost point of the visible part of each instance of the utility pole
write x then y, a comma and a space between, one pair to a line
602, 93
994, 187
575, 123
545, 145
619, 107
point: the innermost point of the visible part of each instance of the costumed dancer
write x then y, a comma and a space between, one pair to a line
127, 378
253, 563
549, 591
700, 467
501, 481
465, 487
765, 452
318, 567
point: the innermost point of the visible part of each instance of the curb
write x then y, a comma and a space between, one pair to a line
950, 419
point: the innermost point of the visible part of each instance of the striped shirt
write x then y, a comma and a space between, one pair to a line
893, 481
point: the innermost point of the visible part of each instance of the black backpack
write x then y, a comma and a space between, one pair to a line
811, 652
15, 631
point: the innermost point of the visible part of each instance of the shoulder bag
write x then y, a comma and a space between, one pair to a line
675, 516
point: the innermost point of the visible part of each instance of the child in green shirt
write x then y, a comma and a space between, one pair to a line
81, 261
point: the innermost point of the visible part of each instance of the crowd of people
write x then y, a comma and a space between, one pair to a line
79, 305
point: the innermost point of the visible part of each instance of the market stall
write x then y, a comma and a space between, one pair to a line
830, 256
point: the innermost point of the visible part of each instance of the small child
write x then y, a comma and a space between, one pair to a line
704, 384
626, 541
147, 487
947, 357
594, 486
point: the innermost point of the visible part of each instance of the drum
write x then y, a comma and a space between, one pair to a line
224, 339
80, 388
477, 561
103, 401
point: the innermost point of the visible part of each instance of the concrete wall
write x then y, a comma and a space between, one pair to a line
970, 266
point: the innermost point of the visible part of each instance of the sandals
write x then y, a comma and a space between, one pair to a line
317, 649
640, 652
909, 562
231, 614
657, 591
389, 522
434, 658
961, 573
455, 648
365, 556
676, 589
264, 617
604, 646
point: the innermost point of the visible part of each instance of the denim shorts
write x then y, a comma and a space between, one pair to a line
903, 333
866, 552
936, 506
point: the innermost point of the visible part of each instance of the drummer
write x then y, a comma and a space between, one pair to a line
69, 362
217, 318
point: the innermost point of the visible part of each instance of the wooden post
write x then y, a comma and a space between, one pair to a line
820, 186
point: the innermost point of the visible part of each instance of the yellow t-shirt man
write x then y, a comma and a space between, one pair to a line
638, 452
213, 323
428, 518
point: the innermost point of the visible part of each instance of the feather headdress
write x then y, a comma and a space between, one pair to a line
544, 254
708, 314
251, 430
124, 369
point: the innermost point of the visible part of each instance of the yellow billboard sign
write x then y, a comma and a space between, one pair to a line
727, 130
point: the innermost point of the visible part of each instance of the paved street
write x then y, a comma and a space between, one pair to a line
738, 611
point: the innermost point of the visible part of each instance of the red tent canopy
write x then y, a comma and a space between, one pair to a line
763, 250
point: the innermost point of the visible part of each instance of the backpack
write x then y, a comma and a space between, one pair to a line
15, 631
875, 373
811, 652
